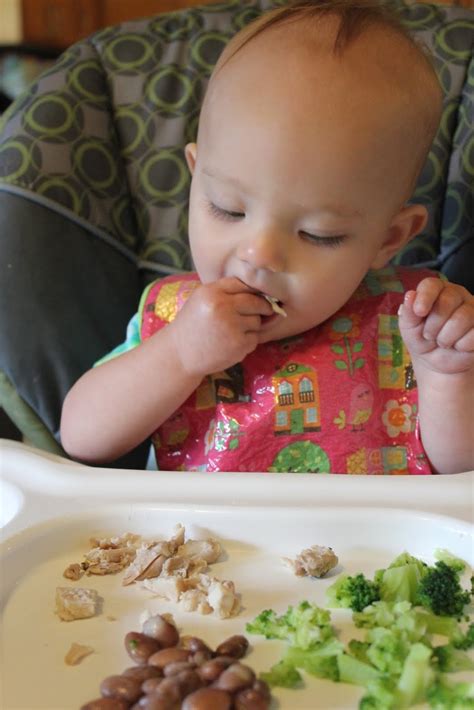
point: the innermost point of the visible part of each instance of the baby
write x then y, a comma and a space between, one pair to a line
316, 123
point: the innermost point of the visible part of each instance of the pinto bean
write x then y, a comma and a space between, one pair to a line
193, 644
140, 646
189, 681
235, 646
236, 677
262, 687
212, 669
207, 699
122, 687
106, 704
200, 657
250, 699
143, 672
150, 685
168, 655
176, 667
161, 630
170, 691
155, 702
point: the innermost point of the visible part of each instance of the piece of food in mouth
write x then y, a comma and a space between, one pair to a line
76, 603
275, 304
315, 561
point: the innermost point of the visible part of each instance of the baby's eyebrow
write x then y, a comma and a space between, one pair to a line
338, 211
332, 210
224, 178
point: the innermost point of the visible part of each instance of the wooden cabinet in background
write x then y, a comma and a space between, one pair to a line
60, 23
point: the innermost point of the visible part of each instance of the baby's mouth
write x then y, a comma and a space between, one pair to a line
276, 305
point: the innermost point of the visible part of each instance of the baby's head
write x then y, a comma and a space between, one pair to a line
316, 123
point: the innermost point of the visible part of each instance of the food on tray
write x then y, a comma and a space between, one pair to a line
201, 593
275, 304
315, 561
400, 661
76, 603
76, 654
174, 672
175, 569
172, 558
74, 571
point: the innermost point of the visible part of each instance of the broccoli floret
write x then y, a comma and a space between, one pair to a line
417, 675
444, 695
465, 641
377, 614
268, 624
359, 649
353, 670
385, 614
352, 592
456, 563
441, 592
305, 625
380, 696
400, 580
387, 650
282, 674
449, 659
320, 661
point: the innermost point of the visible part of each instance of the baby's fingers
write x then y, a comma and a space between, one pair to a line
458, 331
450, 305
426, 295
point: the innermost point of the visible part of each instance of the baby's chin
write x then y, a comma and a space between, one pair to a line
280, 328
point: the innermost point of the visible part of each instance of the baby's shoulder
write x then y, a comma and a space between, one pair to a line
163, 298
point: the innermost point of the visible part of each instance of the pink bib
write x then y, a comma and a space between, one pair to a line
340, 398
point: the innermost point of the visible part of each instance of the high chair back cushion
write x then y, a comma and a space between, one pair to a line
94, 189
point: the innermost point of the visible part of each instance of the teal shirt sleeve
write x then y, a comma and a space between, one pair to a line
132, 339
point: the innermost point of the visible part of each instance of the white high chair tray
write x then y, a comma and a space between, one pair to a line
51, 507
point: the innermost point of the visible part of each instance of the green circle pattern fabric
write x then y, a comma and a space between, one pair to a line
101, 134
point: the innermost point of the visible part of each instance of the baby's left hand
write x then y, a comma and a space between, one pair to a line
437, 324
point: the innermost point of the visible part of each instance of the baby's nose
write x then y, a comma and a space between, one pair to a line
265, 250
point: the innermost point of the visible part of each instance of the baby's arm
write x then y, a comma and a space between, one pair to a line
437, 324
115, 406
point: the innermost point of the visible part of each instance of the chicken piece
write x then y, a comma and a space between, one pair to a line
108, 560
148, 562
106, 543
168, 587
76, 603
209, 550
195, 600
223, 598
177, 538
76, 653
275, 304
315, 561
183, 567
73, 571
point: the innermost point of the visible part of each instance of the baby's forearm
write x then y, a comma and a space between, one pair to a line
117, 405
446, 411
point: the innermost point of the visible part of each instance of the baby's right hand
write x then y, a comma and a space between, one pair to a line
218, 326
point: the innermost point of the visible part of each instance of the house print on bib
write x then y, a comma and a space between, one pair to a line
297, 402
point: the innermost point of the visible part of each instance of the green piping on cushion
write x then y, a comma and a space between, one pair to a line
25, 419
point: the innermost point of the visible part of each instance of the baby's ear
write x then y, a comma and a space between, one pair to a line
190, 153
409, 221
